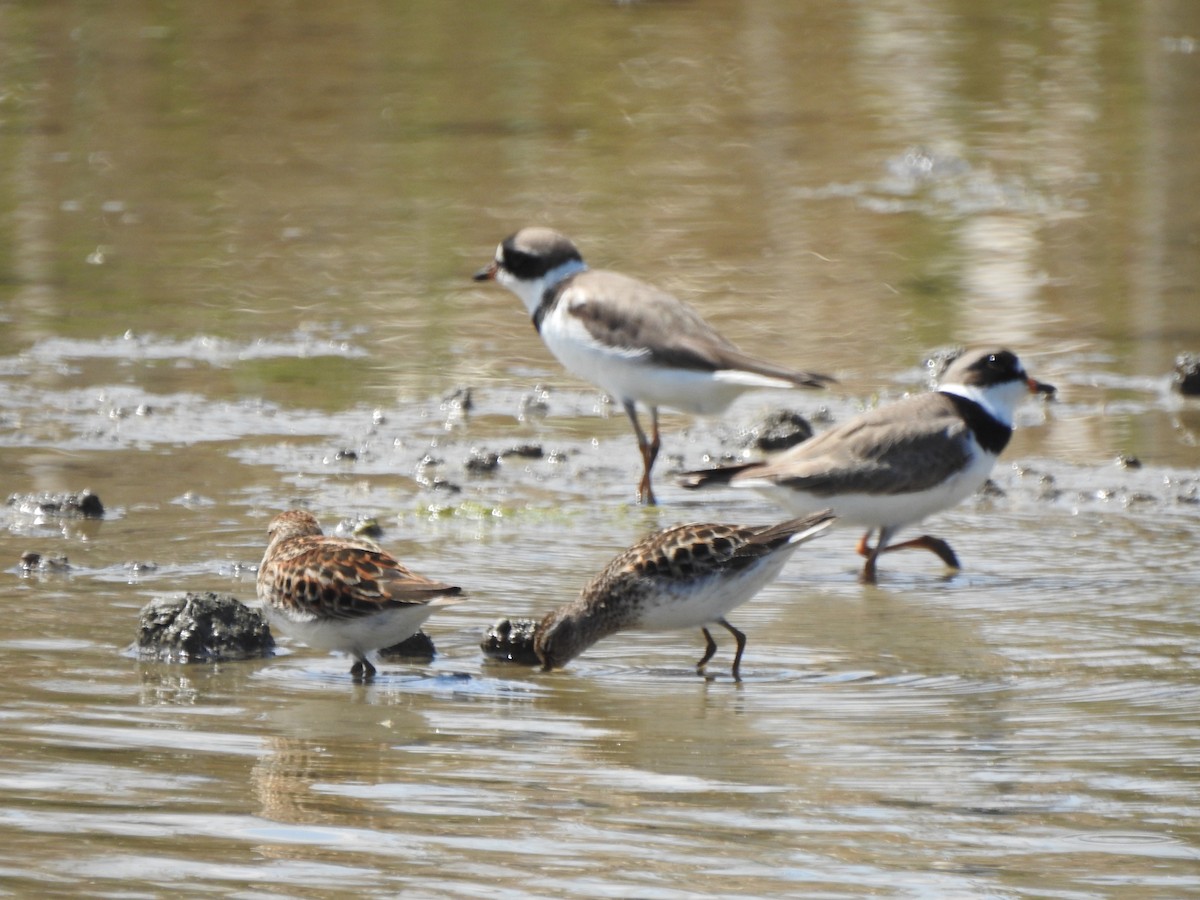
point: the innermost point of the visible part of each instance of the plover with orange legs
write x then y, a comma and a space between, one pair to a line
639, 344
891, 467
332, 593
688, 576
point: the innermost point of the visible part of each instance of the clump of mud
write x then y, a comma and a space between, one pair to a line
417, 647
511, 640
32, 561
203, 627
778, 431
81, 505
1187, 374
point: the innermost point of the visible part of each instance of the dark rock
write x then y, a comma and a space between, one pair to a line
84, 504
779, 431
511, 640
439, 483
524, 451
1187, 374
204, 627
481, 463
1128, 462
34, 562
419, 646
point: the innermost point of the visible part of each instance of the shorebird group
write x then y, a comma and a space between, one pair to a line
884, 470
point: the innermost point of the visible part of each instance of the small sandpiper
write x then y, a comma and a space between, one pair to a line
688, 576
639, 344
891, 467
337, 594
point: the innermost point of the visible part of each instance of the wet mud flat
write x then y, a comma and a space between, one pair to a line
505, 447
537, 471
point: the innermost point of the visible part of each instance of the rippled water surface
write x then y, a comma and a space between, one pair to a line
235, 276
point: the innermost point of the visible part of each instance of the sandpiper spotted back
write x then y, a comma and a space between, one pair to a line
333, 593
687, 576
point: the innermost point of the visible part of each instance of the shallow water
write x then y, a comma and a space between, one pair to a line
235, 276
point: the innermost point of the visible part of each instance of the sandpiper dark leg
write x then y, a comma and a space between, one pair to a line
362, 670
741, 647
710, 647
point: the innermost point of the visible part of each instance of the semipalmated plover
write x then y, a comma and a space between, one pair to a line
337, 594
639, 344
891, 467
688, 576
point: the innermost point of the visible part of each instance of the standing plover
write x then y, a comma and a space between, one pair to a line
639, 344
893, 466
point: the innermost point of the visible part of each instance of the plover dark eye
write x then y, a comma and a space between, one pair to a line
522, 265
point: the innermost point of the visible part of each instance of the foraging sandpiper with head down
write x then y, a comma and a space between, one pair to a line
688, 576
